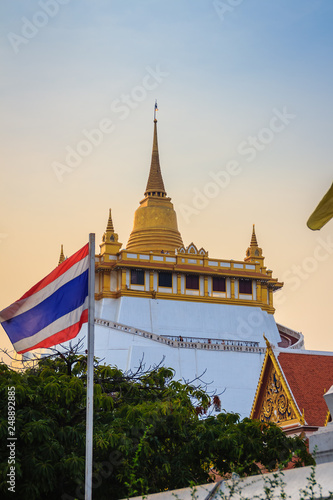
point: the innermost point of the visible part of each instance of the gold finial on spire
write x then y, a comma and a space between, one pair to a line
110, 243
254, 242
254, 253
155, 184
109, 226
62, 256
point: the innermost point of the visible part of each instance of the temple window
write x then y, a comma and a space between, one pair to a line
192, 281
218, 284
245, 286
137, 277
165, 279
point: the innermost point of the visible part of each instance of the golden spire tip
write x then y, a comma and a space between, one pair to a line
254, 242
109, 226
62, 256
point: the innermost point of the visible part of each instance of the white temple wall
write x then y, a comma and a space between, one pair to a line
186, 318
233, 375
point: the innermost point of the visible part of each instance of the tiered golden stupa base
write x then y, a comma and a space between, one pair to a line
155, 227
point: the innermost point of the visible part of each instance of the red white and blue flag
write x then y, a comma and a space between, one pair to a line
52, 311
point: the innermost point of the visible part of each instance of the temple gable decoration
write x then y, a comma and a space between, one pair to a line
291, 387
192, 249
276, 405
274, 401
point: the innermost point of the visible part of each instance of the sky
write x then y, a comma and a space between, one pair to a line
244, 91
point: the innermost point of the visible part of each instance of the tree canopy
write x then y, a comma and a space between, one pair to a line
151, 433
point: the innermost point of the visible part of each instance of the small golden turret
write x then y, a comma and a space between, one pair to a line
110, 243
254, 252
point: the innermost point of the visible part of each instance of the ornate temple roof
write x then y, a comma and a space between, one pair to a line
291, 387
309, 376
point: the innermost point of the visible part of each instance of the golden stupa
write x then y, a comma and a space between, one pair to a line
155, 221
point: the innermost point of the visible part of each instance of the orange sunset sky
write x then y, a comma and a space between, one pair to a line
244, 126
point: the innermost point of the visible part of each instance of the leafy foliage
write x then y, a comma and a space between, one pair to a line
148, 433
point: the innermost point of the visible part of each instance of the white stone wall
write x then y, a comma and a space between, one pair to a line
235, 374
199, 319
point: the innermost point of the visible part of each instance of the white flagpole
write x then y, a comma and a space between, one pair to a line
90, 369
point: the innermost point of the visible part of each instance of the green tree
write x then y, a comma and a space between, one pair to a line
151, 433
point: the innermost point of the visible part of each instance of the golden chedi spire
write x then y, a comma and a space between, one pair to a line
254, 252
62, 256
155, 182
155, 226
109, 227
110, 244
254, 242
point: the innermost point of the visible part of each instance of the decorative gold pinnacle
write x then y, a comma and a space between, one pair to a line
155, 184
254, 253
109, 227
110, 244
254, 242
62, 256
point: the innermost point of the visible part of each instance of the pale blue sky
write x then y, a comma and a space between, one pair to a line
224, 79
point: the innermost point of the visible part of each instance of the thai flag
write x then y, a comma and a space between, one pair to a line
52, 311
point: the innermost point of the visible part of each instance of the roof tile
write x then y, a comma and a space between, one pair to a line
309, 376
